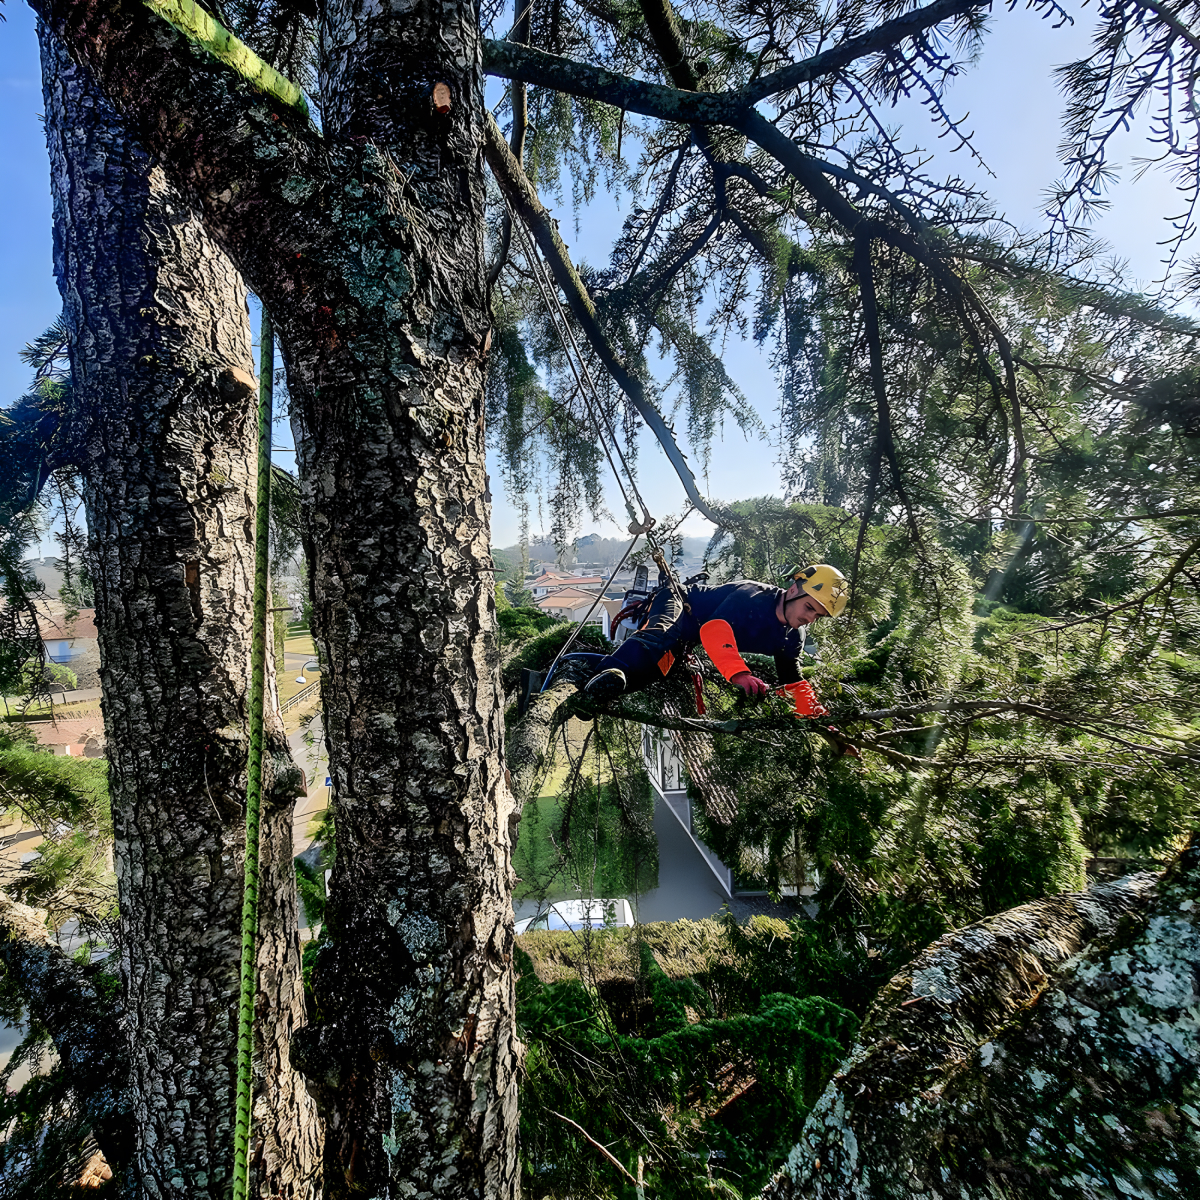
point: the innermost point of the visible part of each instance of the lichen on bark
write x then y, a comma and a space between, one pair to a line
1048, 1052
160, 430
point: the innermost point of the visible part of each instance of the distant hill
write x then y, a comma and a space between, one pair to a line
589, 548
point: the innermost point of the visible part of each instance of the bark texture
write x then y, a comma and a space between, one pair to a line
366, 243
163, 432
415, 1056
83, 1026
1048, 1052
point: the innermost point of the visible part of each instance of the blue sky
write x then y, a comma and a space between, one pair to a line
1014, 111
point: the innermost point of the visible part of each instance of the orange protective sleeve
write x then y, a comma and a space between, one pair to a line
719, 643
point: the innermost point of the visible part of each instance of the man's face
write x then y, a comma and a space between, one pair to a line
799, 608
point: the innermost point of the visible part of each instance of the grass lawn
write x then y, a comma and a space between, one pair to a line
603, 859
60, 710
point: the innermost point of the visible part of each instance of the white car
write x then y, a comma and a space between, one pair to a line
580, 914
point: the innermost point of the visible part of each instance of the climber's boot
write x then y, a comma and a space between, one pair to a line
606, 685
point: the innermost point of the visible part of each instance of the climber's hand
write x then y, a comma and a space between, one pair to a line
754, 687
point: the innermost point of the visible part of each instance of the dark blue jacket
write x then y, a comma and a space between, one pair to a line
749, 608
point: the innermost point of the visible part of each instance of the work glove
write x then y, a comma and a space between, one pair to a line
805, 699
754, 688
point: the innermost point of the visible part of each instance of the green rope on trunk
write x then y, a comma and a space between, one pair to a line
204, 30
258, 670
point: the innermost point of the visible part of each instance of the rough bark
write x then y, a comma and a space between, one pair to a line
82, 1025
366, 243
415, 1055
529, 746
164, 436
1048, 1052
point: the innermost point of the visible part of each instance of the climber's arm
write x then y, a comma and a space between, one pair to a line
721, 646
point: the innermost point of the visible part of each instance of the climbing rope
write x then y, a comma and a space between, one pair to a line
579, 628
583, 377
258, 666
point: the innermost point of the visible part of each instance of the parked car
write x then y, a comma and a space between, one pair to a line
580, 914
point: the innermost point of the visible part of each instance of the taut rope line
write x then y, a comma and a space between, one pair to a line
258, 668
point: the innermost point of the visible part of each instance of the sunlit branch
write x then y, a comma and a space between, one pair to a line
1136, 602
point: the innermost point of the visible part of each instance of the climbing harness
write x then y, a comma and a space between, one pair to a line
258, 664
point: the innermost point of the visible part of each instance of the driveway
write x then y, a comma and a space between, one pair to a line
686, 885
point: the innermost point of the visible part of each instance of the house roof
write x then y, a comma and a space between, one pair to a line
567, 593
56, 628
68, 731
570, 603
552, 577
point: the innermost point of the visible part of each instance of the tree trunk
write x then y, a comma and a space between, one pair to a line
164, 436
1049, 1053
415, 1057
365, 241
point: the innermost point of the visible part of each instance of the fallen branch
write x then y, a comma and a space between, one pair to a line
599, 1146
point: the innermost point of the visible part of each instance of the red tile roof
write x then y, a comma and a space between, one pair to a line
55, 628
69, 731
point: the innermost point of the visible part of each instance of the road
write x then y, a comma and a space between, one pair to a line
316, 770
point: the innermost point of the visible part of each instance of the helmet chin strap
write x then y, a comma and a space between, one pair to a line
786, 602
801, 595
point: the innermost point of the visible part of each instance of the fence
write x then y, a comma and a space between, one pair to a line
299, 698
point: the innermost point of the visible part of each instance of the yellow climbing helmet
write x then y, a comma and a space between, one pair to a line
825, 584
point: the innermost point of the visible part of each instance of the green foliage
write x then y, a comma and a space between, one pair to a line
310, 882
540, 650
66, 799
44, 1120
709, 1086
287, 530
519, 624
1000, 753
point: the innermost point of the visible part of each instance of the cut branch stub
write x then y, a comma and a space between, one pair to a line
441, 98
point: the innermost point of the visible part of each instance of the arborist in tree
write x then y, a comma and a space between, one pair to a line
734, 618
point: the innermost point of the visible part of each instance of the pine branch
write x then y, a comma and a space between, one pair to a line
520, 193
81, 1024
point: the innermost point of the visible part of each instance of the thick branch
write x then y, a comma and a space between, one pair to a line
675, 104
519, 192
82, 1026
883, 37
228, 144
883, 409
507, 61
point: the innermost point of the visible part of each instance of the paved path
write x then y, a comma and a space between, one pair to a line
316, 770
686, 886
